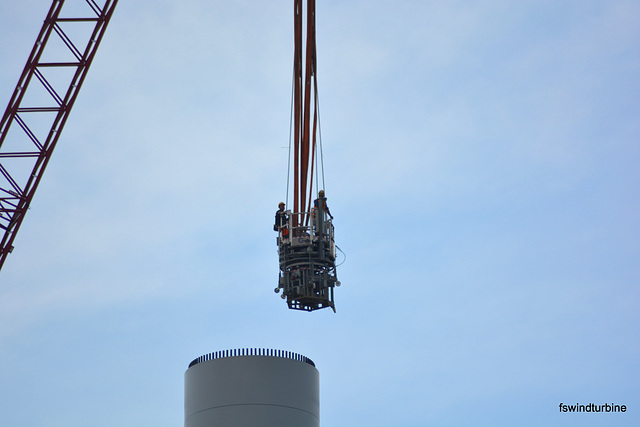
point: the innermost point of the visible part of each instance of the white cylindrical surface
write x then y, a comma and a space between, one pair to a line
227, 389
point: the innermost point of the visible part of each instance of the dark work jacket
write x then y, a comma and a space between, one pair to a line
281, 220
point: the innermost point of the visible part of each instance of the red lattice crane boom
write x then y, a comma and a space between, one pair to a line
24, 155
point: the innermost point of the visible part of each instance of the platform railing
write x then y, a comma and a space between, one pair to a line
296, 229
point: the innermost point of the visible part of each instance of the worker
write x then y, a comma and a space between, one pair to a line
281, 217
323, 200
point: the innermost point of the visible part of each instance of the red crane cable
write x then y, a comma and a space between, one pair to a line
297, 104
304, 128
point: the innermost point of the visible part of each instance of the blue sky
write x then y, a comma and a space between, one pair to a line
481, 165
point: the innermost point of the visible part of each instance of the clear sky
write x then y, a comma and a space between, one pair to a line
481, 163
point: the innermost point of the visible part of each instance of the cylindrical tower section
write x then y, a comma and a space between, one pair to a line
252, 388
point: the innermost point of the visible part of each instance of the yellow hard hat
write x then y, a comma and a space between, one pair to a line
281, 204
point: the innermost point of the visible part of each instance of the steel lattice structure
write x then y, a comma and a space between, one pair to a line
24, 155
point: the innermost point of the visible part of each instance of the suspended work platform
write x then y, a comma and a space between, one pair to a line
306, 244
307, 254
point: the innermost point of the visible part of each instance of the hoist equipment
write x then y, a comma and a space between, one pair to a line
306, 244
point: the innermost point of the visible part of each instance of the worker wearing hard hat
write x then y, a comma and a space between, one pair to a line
323, 200
281, 217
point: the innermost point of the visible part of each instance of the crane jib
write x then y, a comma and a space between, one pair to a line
33, 152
